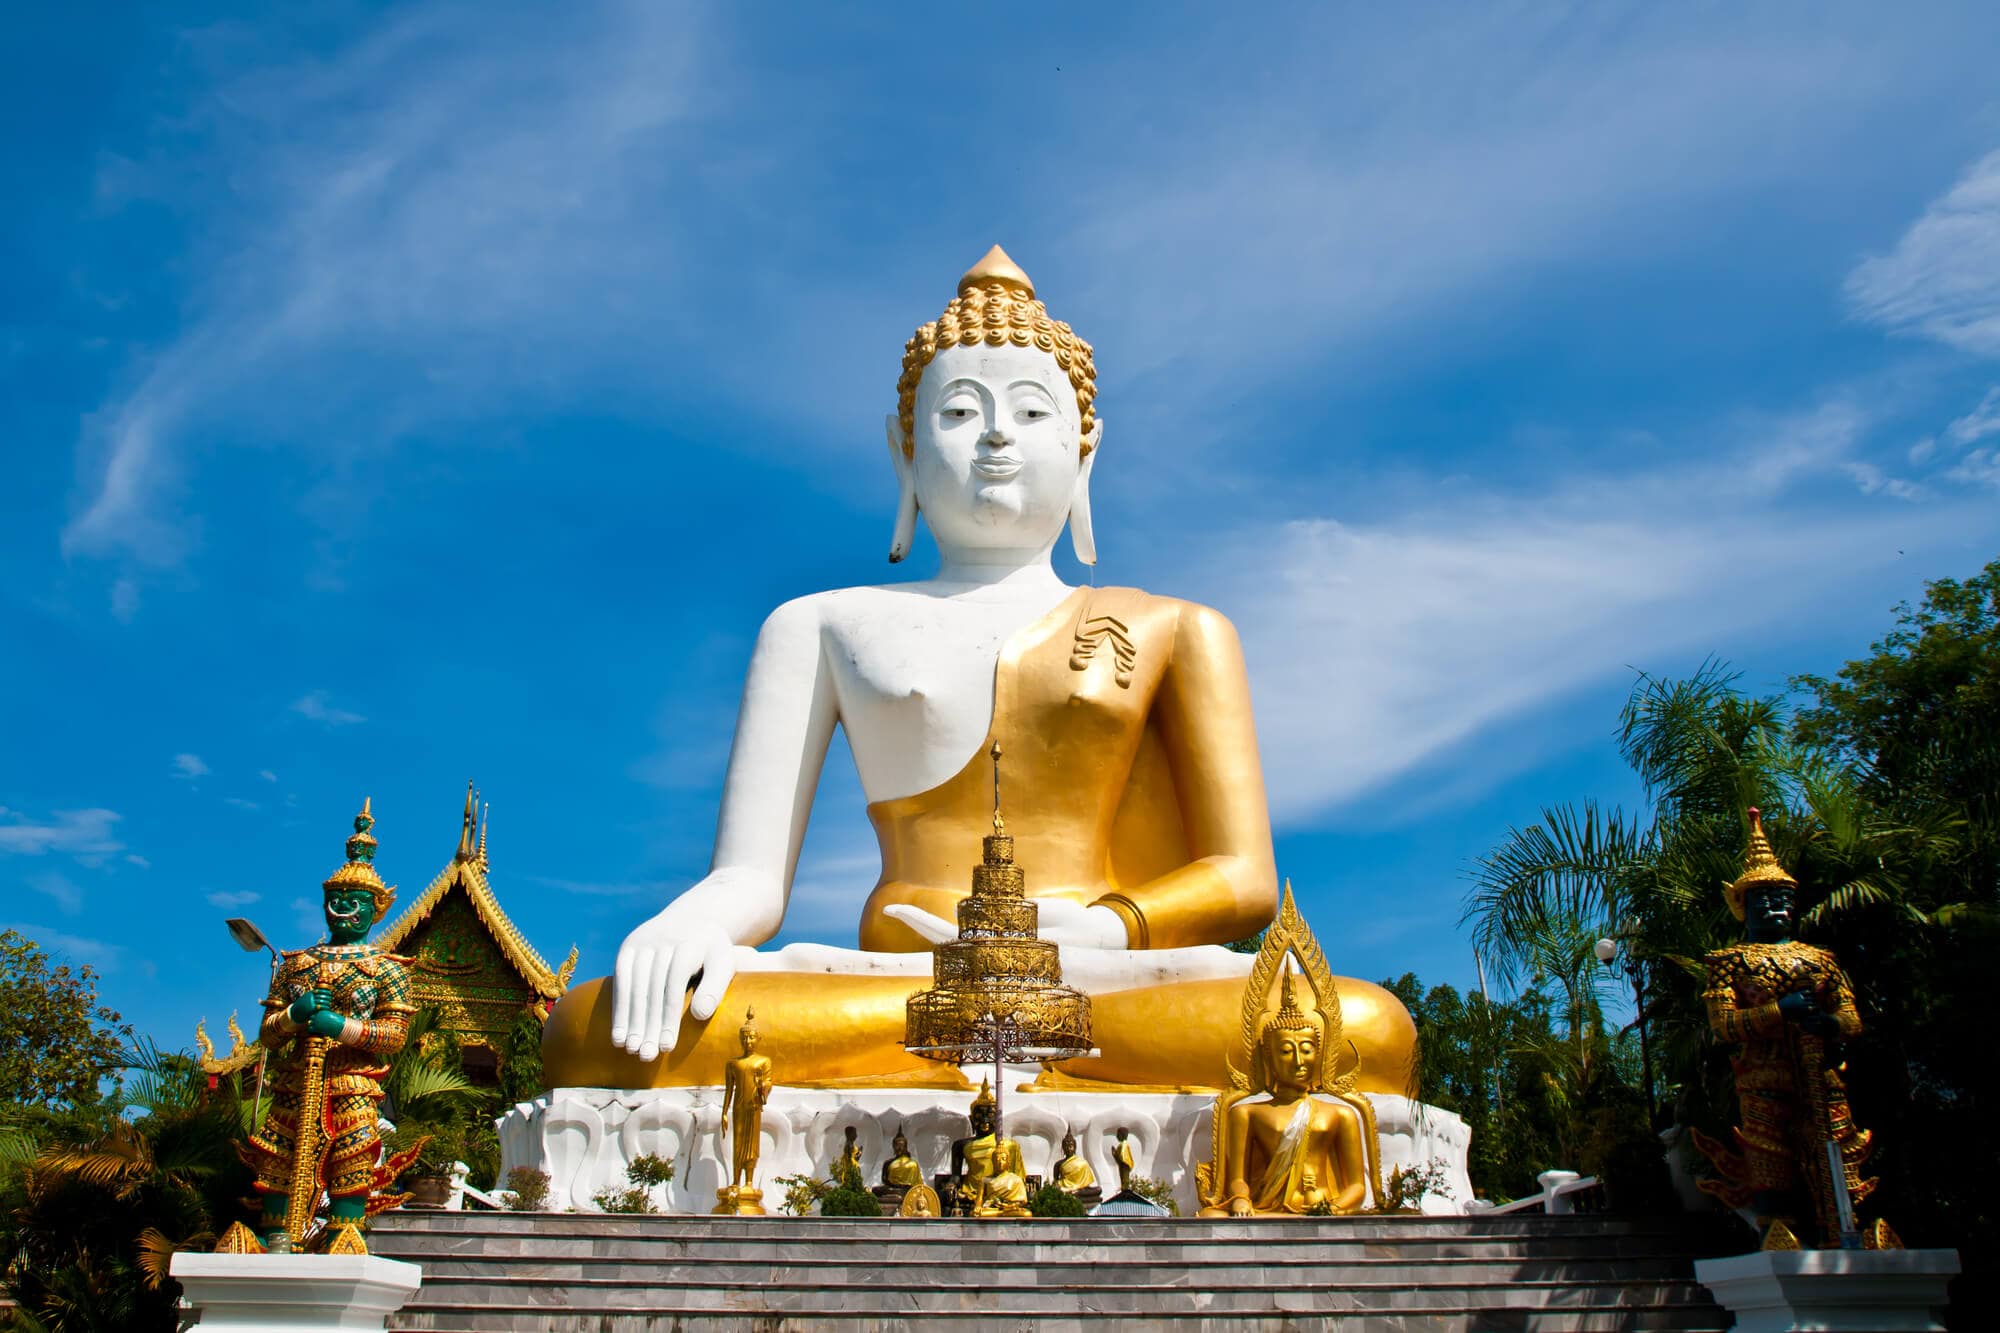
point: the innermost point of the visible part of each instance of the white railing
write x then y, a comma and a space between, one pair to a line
1562, 1192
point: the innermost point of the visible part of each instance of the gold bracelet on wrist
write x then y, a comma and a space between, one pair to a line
1136, 934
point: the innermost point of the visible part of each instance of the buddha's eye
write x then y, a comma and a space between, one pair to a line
958, 412
1034, 414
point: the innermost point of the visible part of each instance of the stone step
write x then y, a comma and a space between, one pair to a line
567, 1273
541, 1319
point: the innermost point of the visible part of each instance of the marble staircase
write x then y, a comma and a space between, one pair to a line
593, 1273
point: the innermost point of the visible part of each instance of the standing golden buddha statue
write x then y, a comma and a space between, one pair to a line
1292, 1152
1786, 1007
746, 1087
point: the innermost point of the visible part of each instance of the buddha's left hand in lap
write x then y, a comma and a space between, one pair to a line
1069, 924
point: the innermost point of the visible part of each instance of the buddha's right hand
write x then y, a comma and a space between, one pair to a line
655, 966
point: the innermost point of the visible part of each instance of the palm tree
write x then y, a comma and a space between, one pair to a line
1653, 879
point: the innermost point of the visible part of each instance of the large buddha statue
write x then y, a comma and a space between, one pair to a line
1139, 809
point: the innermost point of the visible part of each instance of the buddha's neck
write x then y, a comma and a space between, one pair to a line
1007, 570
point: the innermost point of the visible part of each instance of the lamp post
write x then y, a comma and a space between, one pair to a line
250, 939
1608, 951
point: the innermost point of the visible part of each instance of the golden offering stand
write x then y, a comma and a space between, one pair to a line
998, 993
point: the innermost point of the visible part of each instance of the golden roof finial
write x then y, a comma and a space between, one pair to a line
996, 268
466, 850
485, 813
1760, 866
999, 823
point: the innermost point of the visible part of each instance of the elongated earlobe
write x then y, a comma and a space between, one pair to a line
906, 497
1082, 538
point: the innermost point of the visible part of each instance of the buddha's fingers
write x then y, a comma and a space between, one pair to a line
929, 925
663, 1014
638, 986
718, 969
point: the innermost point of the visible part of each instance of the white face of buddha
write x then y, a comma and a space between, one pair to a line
996, 448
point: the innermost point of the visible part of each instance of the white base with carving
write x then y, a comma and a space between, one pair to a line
292, 1293
585, 1137
1832, 1291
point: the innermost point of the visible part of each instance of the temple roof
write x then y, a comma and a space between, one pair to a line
467, 871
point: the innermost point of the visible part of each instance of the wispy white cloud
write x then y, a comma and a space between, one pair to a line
84, 834
59, 889
630, 888
1942, 278
316, 707
189, 766
446, 200
1980, 422
1377, 647
241, 803
97, 954
229, 901
267, 775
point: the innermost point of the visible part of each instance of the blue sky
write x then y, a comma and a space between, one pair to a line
396, 396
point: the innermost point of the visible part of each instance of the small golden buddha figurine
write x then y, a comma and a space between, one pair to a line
902, 1169
746, 1087
1004, 1191
972, 1157
1290, 1151
1072, 1174
900, 1174
1122, 1154
846, 1167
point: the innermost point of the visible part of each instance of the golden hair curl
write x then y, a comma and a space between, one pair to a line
996, 306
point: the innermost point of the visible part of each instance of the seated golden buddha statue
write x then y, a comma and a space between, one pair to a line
901, 1171
1072, 1174
1291, 1137
1004, 1192
1140, 818
973, 1157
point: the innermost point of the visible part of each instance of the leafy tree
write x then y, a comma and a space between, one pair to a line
95, 1199
521, 1061
56, 1040
1919, 718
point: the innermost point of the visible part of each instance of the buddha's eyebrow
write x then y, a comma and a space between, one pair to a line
1033, 384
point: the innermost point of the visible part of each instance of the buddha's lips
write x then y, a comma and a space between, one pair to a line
997, 469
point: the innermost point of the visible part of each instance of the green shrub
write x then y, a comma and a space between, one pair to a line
1156, 1192
614, 1200
844, 1201
649, 1169
1051, 1201
802, 1192
529, 1187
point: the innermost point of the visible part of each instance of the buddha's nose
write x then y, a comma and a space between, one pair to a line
996, 437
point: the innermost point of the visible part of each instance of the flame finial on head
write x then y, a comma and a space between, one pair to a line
1760, 866
358, 871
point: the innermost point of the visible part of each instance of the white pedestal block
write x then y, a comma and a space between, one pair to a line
292, 1293
585, 1137
1832, 1291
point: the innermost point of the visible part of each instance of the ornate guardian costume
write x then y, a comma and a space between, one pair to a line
1787, 1062
372, 987
335, 1014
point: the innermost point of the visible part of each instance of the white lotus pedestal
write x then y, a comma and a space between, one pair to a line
585, 1137
292, 1293
1832, 1291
